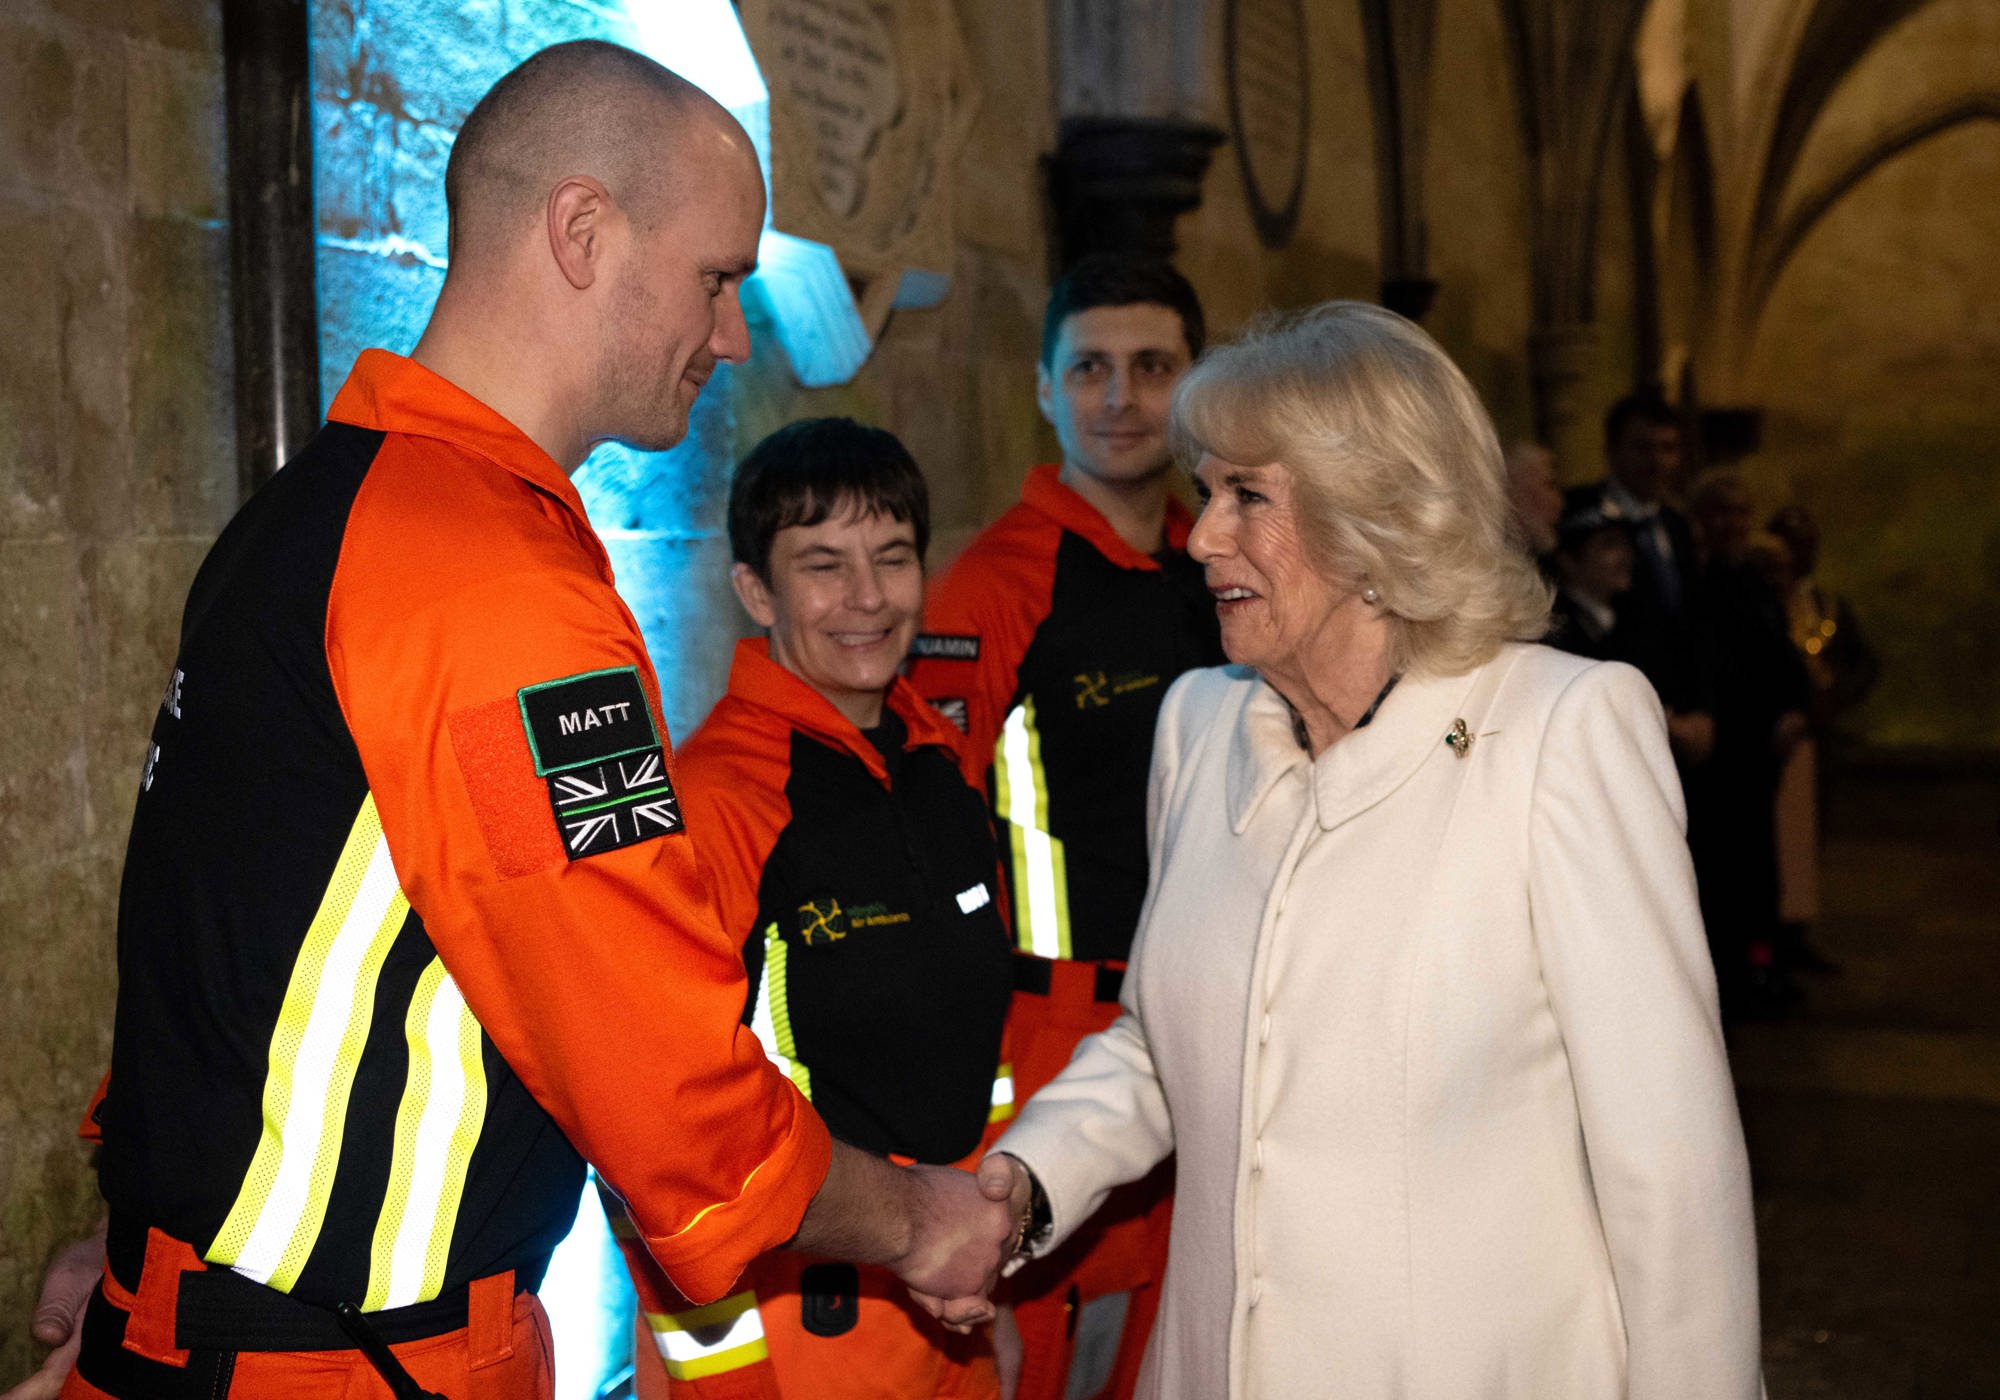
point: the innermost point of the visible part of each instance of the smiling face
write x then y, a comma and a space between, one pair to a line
842, 605
1108, 387
675, 311
1279, 612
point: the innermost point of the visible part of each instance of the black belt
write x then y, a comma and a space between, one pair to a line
221, 1309
1033, 974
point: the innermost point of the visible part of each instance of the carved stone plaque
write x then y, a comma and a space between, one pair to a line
1265, 58
871, 101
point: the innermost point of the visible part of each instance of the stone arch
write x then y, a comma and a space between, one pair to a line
1688, 247
1831, 37
1783, 240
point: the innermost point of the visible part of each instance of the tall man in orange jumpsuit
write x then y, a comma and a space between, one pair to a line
1051, 642
411, 926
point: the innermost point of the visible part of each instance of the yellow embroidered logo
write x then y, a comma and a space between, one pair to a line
817, 925
1096, 689
875, 916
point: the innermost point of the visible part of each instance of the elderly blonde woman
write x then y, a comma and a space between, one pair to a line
1421, 998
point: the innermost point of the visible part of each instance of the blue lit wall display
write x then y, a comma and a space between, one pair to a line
392, 80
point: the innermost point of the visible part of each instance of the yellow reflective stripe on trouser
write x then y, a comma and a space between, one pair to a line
1003, 1095
772, 1018
437, 1126
706, 1341
315, 1049
1041, 882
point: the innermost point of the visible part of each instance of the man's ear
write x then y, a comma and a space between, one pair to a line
754, 594
580, 213
1045, 394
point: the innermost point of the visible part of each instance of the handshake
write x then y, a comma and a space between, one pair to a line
965, 1227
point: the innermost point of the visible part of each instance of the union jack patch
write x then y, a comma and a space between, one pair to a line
600, 807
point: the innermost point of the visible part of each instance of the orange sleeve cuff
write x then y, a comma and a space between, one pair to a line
705, 1258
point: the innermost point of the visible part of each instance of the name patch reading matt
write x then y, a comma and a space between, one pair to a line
593, 740
587, 718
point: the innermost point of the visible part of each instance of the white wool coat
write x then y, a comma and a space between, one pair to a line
1434, 1036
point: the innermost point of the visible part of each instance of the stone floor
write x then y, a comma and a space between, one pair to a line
1873, 1114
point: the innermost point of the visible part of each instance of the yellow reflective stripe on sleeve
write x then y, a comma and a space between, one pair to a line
1041, 879
315, 1048
772, 1018
437, 1126
1003, 1095
709, 1340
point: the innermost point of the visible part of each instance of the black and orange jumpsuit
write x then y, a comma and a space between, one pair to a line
410, 929
1051, 642
859, 871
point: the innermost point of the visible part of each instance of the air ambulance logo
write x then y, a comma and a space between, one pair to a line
822, 923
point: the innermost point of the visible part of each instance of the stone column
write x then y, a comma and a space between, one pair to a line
1135, 107
1560, 359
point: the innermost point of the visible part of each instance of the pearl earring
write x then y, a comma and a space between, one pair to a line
1369, 595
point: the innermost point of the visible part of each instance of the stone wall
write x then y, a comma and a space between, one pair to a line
1875, 365
116, 470
1874, 360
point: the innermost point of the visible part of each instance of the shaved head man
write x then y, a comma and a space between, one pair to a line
411, 928
604, 213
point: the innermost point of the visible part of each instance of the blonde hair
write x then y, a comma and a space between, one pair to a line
1398, 473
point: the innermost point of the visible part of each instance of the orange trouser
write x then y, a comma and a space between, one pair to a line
1120, 1249
502, 1353
883, 1344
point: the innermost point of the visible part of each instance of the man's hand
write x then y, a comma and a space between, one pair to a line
934, 1226
1003, 1181
960, 1239
59, 1315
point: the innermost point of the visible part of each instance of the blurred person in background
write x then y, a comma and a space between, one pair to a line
1761, 697
1642, 452
1841, 668
1537, 500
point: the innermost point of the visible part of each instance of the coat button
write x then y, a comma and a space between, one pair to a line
1256, 1291
1257, 1157
1264, 1031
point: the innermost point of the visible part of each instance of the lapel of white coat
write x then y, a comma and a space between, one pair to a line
1262, 749
1408, 731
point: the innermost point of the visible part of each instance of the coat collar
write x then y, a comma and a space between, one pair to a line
1362, 768
1044, 491
391, 393
755, 679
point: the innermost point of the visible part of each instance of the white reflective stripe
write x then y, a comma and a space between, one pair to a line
447, 1077
972, 900
1018, 765
1037, 855
1003, 1095
704, 1341
344, 993
1035, 863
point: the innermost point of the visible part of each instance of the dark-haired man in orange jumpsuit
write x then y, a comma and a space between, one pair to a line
411, 926
1051, 643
